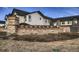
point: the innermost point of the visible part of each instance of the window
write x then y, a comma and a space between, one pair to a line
63, 22
40, 18
75, 21
25, 18
45, 21
29, 18
68, 22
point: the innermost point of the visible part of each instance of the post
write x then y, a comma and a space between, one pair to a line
11, 24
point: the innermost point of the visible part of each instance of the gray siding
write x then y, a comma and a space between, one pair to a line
36, 19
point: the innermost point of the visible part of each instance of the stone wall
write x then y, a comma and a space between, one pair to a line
40, 30
65, 28
11, 23
2, 29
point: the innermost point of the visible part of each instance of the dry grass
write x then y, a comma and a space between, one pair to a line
25, 46
63, 42
46, 38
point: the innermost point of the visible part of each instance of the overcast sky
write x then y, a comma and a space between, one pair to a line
54, 12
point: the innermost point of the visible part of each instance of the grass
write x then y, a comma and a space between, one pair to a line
63, 42
26, 46
47, 38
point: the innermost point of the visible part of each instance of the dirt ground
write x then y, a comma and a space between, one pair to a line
25, 46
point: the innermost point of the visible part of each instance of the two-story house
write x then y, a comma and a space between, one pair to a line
31, 18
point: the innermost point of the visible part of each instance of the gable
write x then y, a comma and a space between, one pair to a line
35, 15
41, 14
20, 12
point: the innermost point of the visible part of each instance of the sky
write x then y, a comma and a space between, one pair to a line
53, 12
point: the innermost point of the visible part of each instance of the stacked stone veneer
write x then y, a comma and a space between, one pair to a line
2, 29
11, 24
40, 30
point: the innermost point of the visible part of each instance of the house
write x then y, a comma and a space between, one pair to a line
65, 21
31, 18
19, 17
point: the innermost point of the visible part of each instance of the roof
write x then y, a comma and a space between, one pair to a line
23, 13
68, 17
2, 22
41, 14
20, 12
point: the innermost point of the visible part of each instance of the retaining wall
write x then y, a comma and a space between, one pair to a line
41, 30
